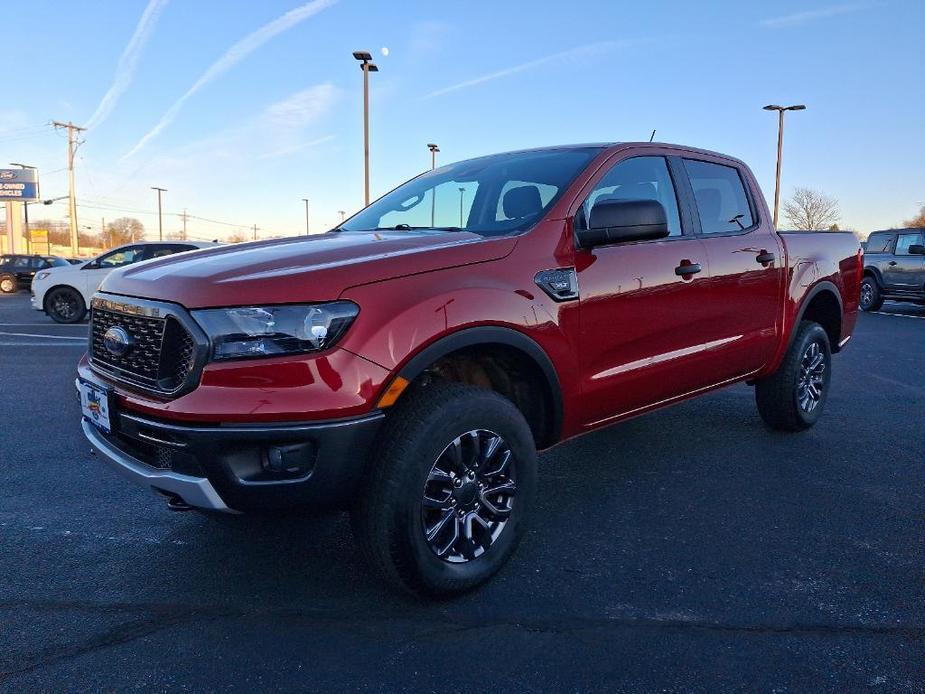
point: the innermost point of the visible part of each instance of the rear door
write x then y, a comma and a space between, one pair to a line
642, 328
747, 266
905, 272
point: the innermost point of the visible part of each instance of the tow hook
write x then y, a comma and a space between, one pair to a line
175, 503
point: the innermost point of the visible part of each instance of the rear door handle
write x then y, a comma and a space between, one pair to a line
687, 269
765, 258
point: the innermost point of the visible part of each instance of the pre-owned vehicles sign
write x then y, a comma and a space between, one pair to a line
19, 185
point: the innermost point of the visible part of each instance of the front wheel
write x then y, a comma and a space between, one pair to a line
871, 299
447, 498
65, 305
792, 398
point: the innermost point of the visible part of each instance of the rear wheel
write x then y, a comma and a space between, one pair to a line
871, 299
8, 284
447, 498
65, 305
792, 398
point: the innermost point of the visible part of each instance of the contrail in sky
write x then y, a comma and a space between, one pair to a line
232, 57
125, 70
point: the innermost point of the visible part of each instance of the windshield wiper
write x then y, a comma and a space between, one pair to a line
408, 227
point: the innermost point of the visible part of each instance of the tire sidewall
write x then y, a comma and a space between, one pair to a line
458, 417
814, 333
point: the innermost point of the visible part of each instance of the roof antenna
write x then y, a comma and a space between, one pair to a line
652, 136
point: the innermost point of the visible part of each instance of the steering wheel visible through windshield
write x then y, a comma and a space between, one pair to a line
494, 195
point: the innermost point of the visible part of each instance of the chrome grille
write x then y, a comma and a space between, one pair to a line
163, 352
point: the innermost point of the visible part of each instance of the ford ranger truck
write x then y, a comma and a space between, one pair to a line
408, 365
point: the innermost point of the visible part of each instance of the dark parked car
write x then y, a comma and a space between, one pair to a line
894, 268
17, 271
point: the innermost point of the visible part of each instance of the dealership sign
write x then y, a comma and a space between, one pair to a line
19, 185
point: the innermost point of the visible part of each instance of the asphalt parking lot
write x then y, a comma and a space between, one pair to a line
689, 550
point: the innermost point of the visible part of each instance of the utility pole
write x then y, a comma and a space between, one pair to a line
72, 145
255, 232
160, 214
780, 147
183, 217
367, 66
305, 200
103, 232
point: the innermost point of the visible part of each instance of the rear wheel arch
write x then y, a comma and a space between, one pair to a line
822, 305
501, 359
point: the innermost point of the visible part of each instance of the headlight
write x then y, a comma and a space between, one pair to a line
268, 331
42, 275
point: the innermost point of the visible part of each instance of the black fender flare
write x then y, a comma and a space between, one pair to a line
493, 335
818, 288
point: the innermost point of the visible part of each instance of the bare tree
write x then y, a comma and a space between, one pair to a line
123, 230
238, 237
918, 220
810, 210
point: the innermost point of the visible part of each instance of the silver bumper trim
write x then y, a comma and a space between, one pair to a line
196, 491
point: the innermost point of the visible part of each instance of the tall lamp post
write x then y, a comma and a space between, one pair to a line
305, 200
433, 155
433, 194
25, 209
462, 191
160, 214
780, 145
367, 66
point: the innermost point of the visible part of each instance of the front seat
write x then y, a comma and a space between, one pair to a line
521, 202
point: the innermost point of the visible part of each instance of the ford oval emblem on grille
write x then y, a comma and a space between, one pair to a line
117, 341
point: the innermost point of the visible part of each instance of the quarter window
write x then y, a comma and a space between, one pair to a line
903, 241
639, 178
722, 203
879, 243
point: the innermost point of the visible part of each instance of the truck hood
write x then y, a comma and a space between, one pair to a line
300, 269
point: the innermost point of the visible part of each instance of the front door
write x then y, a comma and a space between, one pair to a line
905, 272
642, 328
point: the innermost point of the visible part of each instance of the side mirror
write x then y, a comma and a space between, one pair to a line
916, 249
616, 221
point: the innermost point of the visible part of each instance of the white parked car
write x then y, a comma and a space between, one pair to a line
64, 292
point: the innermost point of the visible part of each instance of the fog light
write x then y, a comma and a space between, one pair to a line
295, 459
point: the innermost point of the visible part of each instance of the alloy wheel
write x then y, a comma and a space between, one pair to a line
6, 285
811, 381
867, 295
468, 496
64, 305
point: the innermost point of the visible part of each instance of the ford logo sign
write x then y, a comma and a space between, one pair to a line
117, 341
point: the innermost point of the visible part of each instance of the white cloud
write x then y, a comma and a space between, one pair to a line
799, 18
232, 57
125, 70
571, 55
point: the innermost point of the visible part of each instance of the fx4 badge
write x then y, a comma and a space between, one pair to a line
561, 284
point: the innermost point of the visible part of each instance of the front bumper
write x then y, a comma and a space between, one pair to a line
241, 467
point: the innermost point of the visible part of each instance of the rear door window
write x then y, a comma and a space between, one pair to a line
123, 256
722, 202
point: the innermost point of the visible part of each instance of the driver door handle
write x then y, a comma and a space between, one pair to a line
765, 258
687, 269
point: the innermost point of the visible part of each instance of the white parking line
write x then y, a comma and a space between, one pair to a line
50, 337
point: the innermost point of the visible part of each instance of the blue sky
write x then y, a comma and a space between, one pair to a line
241, 109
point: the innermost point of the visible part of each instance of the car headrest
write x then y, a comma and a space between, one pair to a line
522, 201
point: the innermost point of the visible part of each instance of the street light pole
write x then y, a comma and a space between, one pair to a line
305, 200
160, 214
780, 147
462, 192
433, 194
433, 155
368, 66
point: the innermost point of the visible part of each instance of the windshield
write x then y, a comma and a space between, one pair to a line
499, 194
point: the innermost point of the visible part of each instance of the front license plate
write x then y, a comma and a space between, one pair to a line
94, 403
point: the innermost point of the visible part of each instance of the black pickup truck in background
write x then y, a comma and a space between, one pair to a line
894, 268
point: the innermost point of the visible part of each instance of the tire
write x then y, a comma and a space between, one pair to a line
414, 453
793, 397
8, 284
871, 298
65, 305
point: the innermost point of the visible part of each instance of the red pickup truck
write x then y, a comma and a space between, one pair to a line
408, 364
